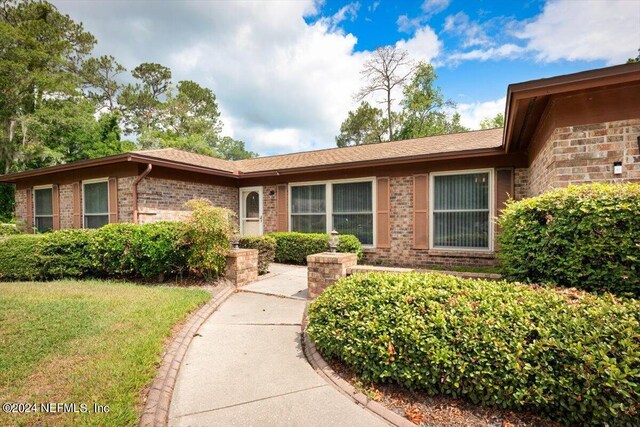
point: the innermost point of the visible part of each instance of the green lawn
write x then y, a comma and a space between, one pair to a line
85, 342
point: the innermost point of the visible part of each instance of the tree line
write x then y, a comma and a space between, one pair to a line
424, 111
60, 103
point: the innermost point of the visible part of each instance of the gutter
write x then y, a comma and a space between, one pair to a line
134, 191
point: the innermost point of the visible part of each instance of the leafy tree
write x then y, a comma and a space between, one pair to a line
495, 122
233, 149
193, 110
141, 102
364, 126
99, 81
388, 68
634, 60
424, 107
40, 54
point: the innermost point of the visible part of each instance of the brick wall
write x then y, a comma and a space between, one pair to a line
401, 252
521, 183
269, 217
586, 153
164, 199
21, 207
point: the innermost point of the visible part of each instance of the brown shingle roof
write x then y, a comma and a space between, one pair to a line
174, 155
418, 147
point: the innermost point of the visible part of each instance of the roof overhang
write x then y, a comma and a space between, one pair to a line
118, 158
527, 102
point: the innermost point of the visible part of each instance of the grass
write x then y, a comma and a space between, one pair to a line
85, 342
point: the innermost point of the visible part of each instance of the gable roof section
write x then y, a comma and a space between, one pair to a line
433, 147
385, 152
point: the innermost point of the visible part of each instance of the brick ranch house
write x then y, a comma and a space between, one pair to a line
425, 201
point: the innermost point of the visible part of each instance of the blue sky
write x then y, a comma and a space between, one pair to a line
285, 71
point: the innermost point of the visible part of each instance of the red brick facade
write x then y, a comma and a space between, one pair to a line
586, 153
164, 199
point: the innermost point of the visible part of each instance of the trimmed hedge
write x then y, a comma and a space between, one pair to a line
266, 246
294, 247
140, 251
115, 250
8, 230
20, 258
586, 237
65, 254
564, 353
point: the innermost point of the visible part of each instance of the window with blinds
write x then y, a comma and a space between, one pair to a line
346, 207
461, 211
43, 209
353, 210
96, 204
309, 209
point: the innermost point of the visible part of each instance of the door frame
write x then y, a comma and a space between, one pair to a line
241, 200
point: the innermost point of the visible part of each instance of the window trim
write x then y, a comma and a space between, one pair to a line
84, 200
490, 224
33, 202
328, 194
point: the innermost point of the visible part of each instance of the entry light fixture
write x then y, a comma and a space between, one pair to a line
334, 239
617, 168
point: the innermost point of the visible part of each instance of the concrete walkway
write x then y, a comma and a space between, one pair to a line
246, 366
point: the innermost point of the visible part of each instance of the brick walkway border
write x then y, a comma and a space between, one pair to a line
323, 369
156, 407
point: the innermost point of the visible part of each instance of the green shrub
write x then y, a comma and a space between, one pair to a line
293, 247
160, 249
111, 250
571, 355
586, 237
140, 251
8, 230
266, 246
211, 230
20, 258
65, 254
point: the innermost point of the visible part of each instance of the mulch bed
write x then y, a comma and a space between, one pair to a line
424, 410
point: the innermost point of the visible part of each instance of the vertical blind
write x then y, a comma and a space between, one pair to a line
309, 209
96, 204
353, 210
461, 210
43, 209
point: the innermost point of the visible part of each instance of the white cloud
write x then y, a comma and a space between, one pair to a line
508, 50
435, 6
471, 114
586, 30
472, 32
282, 84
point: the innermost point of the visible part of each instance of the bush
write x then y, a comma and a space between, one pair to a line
140, 251
586, 237
568, 354
111, 250
20, 258
65, 253
266, 246
211, 230
9, 230
294, 247
160, 249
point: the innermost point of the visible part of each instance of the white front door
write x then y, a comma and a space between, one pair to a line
251, 211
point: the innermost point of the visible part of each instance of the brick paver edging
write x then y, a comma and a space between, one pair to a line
156, 406
325, 371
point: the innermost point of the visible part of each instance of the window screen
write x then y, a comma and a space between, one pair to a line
353, 210
461, 211
96, 204
43, 209
309, 209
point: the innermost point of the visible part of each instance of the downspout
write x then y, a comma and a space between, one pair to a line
134, 191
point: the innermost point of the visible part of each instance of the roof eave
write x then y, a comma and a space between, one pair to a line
379, 162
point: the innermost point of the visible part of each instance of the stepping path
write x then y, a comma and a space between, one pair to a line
246, 367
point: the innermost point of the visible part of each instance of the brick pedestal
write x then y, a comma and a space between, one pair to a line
242, 266
324, 269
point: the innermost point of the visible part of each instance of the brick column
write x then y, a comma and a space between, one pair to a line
242, 266
324, 269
